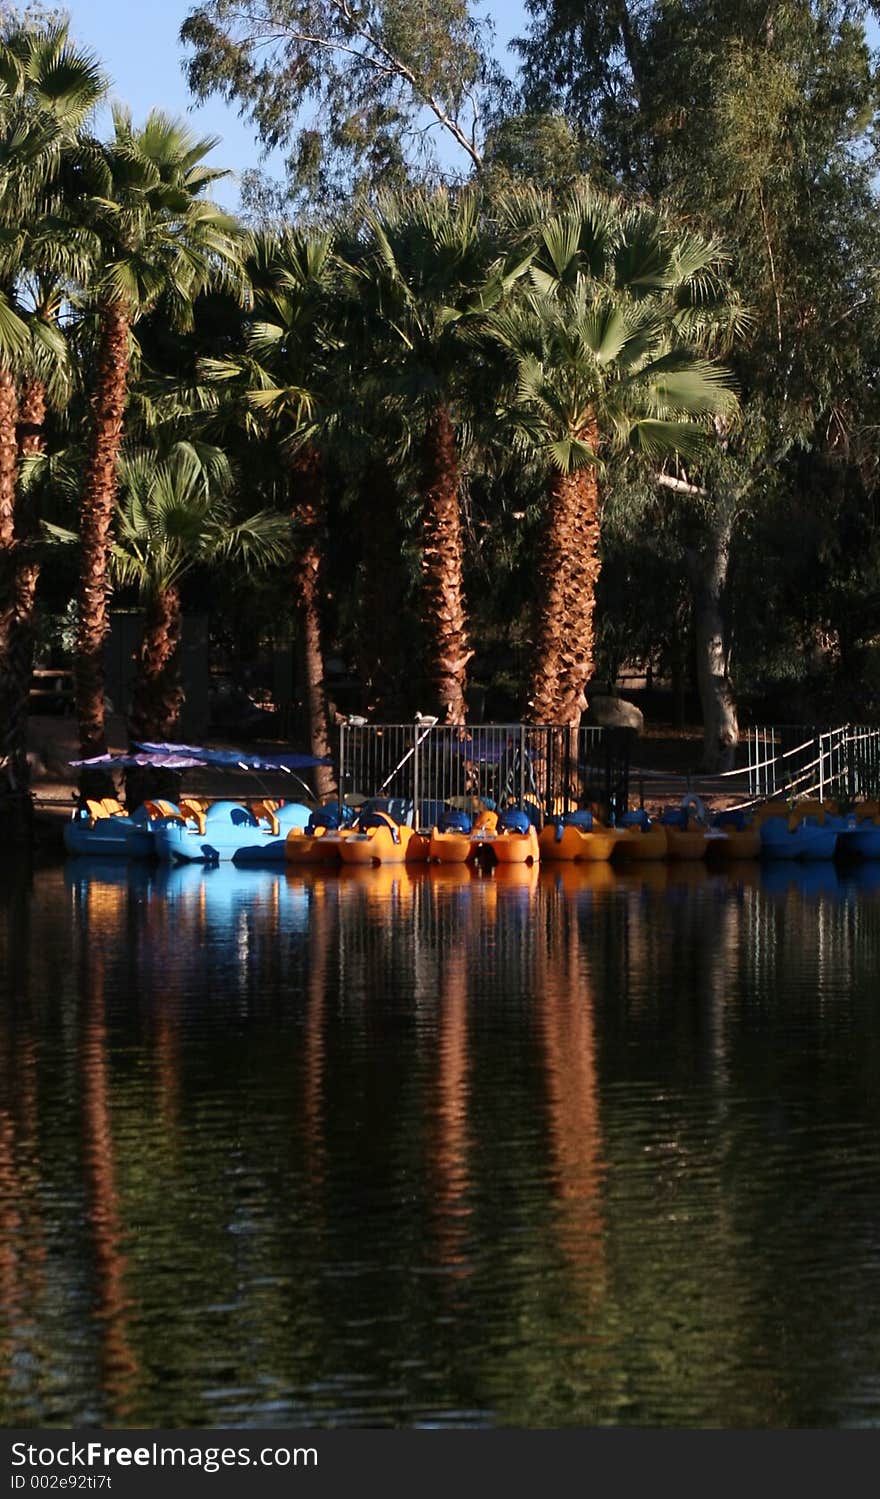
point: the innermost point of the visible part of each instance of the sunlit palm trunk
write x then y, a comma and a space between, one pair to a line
8, 472
23, 571
98, 499
568, 574
308, 508
444, 619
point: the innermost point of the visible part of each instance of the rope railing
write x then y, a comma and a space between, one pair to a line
845, 758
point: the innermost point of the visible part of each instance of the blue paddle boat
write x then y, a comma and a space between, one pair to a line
807, 839
228, 830
104, 828
861, 837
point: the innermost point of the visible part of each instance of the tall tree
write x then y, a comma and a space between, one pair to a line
603, 359
756, 120
48, 89
175, 513
430, 269
163, 241
350, 92
283, 381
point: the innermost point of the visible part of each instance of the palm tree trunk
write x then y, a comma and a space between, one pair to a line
156, 695
8, 472
23, 568
96, 516
444, 619
307, 482
8, 457
13, 764
568, 574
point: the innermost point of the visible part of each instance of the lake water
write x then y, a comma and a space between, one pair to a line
400, 1148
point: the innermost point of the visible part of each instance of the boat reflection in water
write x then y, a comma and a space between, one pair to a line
539, 1147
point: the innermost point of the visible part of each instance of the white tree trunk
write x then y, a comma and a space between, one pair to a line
708, 574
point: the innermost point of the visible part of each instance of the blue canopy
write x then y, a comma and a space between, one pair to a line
129, 762
236, 759
188, 756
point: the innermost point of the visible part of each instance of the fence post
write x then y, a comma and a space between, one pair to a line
415, 775
821, 769
342, 756
522, 765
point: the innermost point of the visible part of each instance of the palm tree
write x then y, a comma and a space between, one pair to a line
175, 513
605, 349
427, 271
163, 242
281, 383
48, 88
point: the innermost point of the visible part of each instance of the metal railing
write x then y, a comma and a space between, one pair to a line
421, 767
795, 760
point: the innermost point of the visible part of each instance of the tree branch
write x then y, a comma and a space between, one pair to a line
680, 486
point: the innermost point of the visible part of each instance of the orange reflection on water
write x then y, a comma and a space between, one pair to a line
119, 1364
449, 1136
568, 1034
314, 1043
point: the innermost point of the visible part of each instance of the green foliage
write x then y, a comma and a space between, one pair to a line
350, 92
175, 512
598, 341
161, 238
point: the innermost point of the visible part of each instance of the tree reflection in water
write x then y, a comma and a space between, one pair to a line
100, 919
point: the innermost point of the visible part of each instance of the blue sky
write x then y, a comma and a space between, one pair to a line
138, 42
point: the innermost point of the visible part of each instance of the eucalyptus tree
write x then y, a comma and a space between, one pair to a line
604, 340
48, 89
354, 95
162, 242
428, 271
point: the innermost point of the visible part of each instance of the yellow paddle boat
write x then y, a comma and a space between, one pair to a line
645, 840
320, 841
687, 829
576, 836
452, 838
516, 839
378, 840
742, 836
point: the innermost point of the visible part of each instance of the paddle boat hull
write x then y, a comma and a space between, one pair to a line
384, 844
210, 837
572, 844
450, 848
863, 840
275, 826
805, 840
687, 844
105, 830
736, 844
116, 837
515, 848
418, 848
322, 846
648, 846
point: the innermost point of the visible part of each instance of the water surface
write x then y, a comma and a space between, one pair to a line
398, 1148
